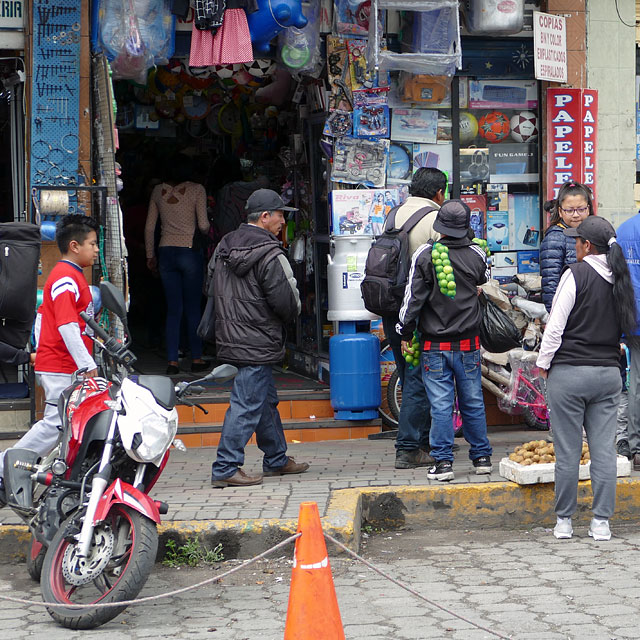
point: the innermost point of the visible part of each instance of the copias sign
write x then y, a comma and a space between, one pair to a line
572, 130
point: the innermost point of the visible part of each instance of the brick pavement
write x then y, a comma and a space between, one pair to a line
523, 584
185, 483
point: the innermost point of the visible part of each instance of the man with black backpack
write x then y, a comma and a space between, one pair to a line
441, 298
407, 227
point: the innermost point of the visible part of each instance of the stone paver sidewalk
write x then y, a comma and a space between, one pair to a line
185, 483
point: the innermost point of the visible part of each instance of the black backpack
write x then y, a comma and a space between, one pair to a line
19, 257
387, 266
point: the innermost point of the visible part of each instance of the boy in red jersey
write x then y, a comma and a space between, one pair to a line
64, 345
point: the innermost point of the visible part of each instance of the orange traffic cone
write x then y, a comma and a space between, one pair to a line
313, 612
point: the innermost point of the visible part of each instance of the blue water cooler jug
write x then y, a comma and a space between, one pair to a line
354, 369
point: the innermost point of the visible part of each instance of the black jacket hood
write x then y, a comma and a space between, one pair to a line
244, 247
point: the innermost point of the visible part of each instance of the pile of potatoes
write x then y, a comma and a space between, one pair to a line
541, 451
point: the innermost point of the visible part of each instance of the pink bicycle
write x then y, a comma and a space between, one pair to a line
519, 391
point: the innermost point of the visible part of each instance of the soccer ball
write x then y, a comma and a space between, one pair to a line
524, 126
468, 127
199, 72
225, 73
261, 67
494, 126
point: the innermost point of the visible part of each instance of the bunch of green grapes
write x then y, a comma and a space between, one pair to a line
483, 245
444, 270
412, 357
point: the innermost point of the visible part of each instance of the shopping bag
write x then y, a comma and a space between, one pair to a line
498, 333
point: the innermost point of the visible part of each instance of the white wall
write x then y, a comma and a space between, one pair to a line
611, 69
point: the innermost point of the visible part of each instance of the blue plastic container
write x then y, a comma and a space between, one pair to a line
354, 373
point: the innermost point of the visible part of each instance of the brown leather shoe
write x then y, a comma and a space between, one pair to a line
238, 479
291, 467
412, 459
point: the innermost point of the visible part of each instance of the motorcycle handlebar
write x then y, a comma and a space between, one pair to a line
111, 345
97, 329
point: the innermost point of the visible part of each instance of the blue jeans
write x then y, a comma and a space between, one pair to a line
442, 372
414, 419
253, 408
181, 272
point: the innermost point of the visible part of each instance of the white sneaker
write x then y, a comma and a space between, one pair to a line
563, 529
599, 529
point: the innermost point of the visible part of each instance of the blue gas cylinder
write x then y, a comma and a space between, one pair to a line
354, 373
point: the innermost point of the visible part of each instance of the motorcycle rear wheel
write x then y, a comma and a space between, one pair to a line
122, 570
35, 559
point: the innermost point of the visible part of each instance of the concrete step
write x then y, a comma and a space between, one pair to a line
297, 405
295, 431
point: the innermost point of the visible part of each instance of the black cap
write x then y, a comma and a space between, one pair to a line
265, 200
453, 219
596, 230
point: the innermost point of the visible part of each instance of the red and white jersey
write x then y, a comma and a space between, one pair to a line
66, 294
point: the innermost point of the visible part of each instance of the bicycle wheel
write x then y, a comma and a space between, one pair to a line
387, 369
394, 395
536, 418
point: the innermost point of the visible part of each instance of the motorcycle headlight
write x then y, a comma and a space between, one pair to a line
155, 436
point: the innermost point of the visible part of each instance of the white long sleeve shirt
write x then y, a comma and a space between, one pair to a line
563, 303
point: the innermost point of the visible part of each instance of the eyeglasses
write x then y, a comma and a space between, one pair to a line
579, 210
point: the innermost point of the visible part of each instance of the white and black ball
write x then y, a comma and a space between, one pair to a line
524, 126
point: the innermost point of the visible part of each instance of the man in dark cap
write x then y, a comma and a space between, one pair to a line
255, 298
427, 189
447, 312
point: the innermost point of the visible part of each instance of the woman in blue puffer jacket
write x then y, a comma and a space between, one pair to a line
572, 206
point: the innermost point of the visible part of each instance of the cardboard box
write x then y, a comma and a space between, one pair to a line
524, 221
474, 165
497, 197
503, 94
417, 125
513, 163
498, 230
538, 473
528, 262
478, 206
361, 211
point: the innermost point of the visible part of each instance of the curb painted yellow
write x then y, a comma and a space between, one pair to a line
487, 505
490, 505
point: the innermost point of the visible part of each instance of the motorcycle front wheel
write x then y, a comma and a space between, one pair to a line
121, 557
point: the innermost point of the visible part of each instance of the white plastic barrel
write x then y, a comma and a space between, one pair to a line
345, 272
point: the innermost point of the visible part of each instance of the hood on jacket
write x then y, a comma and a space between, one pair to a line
600, 263
245, 246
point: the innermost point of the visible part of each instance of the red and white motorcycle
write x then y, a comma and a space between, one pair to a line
87, 504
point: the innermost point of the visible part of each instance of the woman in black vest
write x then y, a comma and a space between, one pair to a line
580, 351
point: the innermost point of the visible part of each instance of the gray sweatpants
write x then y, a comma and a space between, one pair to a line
43, 435
586, 396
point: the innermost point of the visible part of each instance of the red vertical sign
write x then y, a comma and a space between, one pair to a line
572, 129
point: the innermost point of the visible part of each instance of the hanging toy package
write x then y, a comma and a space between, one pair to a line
299, 49
135, 35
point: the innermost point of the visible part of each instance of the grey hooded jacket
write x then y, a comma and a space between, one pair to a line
255, 296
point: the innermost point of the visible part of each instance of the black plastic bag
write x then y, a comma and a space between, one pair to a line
498, 333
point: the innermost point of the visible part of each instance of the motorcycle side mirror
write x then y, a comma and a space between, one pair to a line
113, 300
222, 373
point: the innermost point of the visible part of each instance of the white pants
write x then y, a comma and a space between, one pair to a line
43, 435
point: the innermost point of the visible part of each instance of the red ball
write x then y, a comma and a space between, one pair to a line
494, 126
